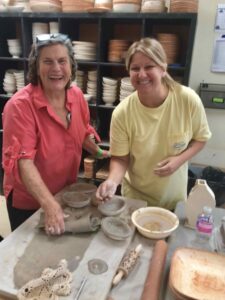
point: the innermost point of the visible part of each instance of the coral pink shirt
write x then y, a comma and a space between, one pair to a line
32, 130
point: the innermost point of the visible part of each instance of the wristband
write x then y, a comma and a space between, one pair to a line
99, 153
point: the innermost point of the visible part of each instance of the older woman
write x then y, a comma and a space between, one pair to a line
45, 125
154, 132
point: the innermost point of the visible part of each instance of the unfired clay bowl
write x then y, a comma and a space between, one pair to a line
115, 228
76, 199
113, 207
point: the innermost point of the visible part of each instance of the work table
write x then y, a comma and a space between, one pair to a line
184, 237
99, 286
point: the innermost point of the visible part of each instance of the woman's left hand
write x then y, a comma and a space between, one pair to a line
168, 166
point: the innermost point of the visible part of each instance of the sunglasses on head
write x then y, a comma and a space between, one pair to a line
42, 38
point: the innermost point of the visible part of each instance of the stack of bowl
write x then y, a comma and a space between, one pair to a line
19, 76
126, 5
153, 6
79, 80
14, 47
105, 5
53, 27
184, 6
16, 5
84, 50
109, 94
77, 6
170, 43
92, 83
45, 5
39, 28
126, 88
9, 82
117, 50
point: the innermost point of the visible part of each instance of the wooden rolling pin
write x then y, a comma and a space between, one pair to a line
153, 280
127, 264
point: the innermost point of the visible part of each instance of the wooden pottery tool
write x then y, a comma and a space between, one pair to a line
127, 264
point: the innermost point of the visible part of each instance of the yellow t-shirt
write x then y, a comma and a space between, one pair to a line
150, 135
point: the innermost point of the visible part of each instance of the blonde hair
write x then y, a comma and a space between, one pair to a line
154, 50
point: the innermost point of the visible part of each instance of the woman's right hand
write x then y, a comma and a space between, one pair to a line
54, 219
106, 190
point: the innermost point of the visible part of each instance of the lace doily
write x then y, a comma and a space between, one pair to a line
51, 284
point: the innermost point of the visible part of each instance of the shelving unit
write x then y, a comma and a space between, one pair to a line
98, 28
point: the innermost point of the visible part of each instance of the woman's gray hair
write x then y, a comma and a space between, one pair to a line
34, 56
154, 50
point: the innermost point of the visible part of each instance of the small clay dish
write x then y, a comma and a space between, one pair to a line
76, 199
113, 207
115, 228
82, 187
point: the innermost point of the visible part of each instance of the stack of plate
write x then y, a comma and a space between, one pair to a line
109, 94
117, 50
170, 43
46, 5
153, 6
126, 5
19, 76
92, 83
184, 6
77, 6
14, 47
39, 28
9, 82
84, 50
126, 88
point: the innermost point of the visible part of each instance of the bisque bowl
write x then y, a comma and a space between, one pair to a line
154, 222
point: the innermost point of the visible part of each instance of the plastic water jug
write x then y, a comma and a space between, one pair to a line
200, 195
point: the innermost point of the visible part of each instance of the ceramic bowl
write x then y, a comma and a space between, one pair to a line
154, 222
113, 207
88, 97
126, 7
76, 199
110, 81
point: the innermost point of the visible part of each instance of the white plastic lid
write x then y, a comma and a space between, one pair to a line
207, 210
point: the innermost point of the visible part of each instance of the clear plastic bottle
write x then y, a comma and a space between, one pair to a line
204, 224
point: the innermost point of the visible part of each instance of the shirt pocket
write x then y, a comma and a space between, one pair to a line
177, 143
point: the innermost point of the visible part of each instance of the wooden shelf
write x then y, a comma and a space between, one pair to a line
99, 28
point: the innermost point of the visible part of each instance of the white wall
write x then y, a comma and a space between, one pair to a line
214, 152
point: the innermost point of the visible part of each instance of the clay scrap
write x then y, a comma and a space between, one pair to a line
51, 284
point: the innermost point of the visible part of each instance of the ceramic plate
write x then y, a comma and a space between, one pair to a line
198, 274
